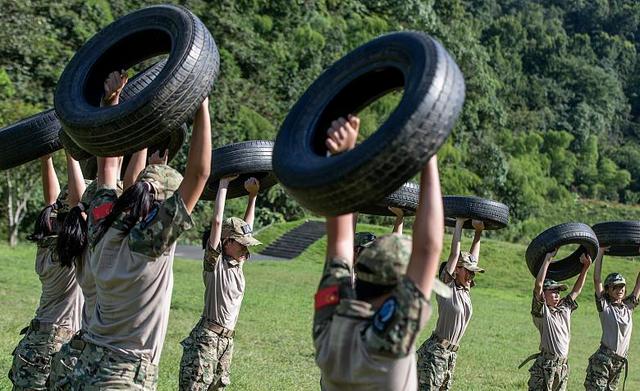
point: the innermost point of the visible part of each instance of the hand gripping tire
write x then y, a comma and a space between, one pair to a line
173, 143
29, 139
623, 237
560, 235
493, 214
163, 106
405, 198
432, 99
249, 159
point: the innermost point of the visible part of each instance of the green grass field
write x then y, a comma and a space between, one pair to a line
273, 347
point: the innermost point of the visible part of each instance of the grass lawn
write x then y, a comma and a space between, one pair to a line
273, 348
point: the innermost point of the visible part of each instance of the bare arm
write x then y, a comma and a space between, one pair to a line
398, 224
455, 247
597, 273
136, 164
252, 186
636, 289
216, 222
542, 273
75, 180
577, 287
478, 226
428, 230
199, 159
50, 184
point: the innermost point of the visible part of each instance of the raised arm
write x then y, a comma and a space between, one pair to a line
252, 186
398, 224
109, 167
199, 159
542, 273
50, 184
597, 273
136, 164
428, 230
636, 289
216, 222
585, 259
478, 226
455, 247
75, 180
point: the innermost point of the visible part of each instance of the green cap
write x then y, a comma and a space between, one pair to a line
363, 239
164, 179
551, 285
614, 279
238, 230
385, 261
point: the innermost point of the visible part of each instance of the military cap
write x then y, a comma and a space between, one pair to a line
614, 279
238, 230
363, 239
164, 179
551, 285
469, 262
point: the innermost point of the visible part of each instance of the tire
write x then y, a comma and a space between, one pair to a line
74, 150
173, 143
163, 106
493, 214
405, 198
433, 97
623, 237
560, 235
29, 139
249, 159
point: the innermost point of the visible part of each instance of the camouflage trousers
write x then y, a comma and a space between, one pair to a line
100, 368
549, 373
206, 360
603, 372
435, 366
63, 363
32, 357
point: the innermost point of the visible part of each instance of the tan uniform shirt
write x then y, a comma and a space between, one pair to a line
554, 325
61, 297
617, 323
454, 312
88, 284
359, 349
224, 283
134, 280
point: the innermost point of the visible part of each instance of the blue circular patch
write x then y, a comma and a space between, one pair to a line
385, 314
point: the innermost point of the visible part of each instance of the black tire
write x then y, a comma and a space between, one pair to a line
560, 235
432, 99
623, 237
74, 150
405, 198
249, 159
494, 215
29, 139
173, 143
164, 105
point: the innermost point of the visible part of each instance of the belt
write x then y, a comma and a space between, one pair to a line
445, 343
36, 325
548, 356
216, 328
618, 358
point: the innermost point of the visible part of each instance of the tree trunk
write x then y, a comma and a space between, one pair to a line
13, 236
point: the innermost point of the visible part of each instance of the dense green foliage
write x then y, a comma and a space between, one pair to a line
551, 114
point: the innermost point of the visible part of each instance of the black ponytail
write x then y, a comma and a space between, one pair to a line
73, 237
45, 225
136, 201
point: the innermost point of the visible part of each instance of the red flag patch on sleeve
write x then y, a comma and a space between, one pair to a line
327, 296
102, 211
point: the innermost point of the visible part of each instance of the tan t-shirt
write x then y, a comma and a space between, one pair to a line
554, 325
359, 349
88, 284
61, 297
134, 280
454, 312
224, 288
617, 323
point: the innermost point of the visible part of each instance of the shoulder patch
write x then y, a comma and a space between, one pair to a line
152, 215
385, 314
102, 211
327, 296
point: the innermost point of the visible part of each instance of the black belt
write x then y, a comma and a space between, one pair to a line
549, 356
36, 325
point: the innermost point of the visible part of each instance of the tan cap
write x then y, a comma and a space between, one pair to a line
164, 179
238, 230
469, 262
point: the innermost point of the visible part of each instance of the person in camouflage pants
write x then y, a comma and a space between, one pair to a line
207, 351
616, 318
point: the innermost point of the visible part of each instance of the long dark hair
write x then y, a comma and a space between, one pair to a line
136, 202
73, 237
45, 224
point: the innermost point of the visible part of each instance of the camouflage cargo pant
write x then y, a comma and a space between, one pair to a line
549, 373
100, 368
435, 366
603, 372
63, 363
206, 360
32, 357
